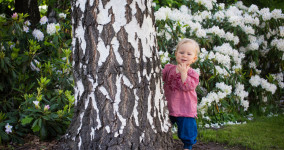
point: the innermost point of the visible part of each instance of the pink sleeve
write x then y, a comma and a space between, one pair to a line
191, 81
165, 72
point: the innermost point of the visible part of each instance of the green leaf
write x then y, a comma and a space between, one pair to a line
36, 128
40, 123
27, 120
43, 133
35, 123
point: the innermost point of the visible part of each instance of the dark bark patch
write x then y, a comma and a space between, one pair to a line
128, 100
128, 14
122, 37
139, 15
107, 34
104, 2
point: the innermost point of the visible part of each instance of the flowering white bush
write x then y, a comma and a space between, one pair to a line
241, 53
52, 28
38, 35
43, 20
62, 15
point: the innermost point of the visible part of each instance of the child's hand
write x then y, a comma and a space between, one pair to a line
182, 68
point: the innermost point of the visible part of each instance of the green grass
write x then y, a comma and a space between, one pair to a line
260, 134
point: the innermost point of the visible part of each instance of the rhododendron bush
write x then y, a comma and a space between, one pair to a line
36, 78
241, 60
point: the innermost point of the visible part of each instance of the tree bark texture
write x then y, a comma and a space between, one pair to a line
30, 7
119, 102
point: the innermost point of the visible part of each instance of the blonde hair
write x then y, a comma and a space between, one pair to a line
186, 40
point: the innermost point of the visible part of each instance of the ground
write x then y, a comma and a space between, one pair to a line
33, 143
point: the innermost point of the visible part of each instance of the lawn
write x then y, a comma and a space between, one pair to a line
261, 133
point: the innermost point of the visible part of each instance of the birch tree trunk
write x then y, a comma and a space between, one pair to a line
118, 90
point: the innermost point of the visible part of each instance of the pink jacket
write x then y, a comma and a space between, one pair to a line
181, 97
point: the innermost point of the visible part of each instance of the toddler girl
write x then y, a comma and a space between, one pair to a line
180, 82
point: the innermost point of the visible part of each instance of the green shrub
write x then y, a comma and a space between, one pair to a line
35, 68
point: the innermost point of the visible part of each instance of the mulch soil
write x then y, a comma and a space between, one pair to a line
33, 143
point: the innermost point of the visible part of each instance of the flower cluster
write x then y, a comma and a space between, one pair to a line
38, 35
43, 20
52, 28
8, 128
256, 80
164, 57
62, 15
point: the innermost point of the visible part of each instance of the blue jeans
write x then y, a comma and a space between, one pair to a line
187, 130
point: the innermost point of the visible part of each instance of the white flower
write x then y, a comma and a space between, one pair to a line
253, 46
239, 91
43, 20
207, 126
248, 29
266, 15
229, 36
279, 43
197, 71
245, 104
223, 59
252, 65
253, 8
36, 103
207, 118
252, 38
221, 6
233, 11
215, 125
162, 13
33, 67
219, 15
277, 14
26, 29
211, 55
281, 31
164, 57
281, 84
197, 18
264, 99
43, 7
235, 20
255, 80
268, 86
206, 15
240, 5
208, 4
195, 27
27, 23
184, 9
168, 36
279, 77
255, 21
38, 35
2, 16
52, 28
225, 88
236, 40
216, 30
63, 16
8, 128
221, 95
200, 33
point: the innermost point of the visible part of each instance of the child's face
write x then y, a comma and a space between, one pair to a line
186, 54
